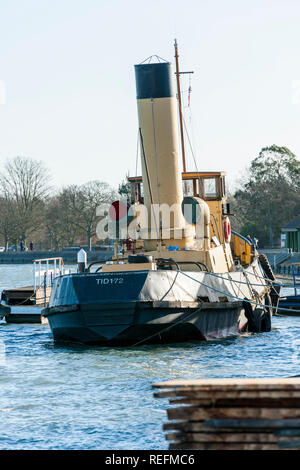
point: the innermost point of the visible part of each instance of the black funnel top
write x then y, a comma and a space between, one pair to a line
154, 80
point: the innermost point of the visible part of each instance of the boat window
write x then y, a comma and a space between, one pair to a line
187, 188
141, 194
200, 188
210, 187
136, 192
223, 186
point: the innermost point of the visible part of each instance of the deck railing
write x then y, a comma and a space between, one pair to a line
46, 269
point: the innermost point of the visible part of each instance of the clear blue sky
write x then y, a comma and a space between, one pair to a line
70, 90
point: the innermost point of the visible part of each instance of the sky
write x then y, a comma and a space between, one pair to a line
67, 85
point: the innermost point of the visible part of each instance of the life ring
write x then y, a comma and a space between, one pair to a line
227, 230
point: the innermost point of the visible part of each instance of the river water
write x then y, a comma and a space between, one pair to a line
77, 397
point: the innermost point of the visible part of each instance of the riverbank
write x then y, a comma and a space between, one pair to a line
68, 256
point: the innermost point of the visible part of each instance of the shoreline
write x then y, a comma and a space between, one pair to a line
27, 257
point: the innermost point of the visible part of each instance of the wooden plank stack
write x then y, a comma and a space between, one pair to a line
232, 414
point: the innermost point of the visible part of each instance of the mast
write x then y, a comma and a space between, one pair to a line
179, 104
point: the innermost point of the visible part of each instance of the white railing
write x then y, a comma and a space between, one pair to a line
45, 270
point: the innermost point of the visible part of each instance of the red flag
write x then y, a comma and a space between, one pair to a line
189, 95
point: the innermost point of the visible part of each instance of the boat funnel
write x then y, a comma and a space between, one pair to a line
158, 129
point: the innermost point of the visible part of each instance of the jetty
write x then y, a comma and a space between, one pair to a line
232, 414
25, 304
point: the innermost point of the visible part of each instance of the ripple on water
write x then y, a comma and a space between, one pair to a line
77, 397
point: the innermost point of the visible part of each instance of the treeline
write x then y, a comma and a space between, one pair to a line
32, 212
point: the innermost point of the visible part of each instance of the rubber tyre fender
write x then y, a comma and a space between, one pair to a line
269, 305
266, 267
258, 314
254, 317
266, 321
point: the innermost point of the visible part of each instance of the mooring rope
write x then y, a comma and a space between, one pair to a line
238, 298
236, 280
253, 274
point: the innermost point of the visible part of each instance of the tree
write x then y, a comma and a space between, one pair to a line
271, 196
125, 190
8, 221
59, 222
82, 203
26, 183
275, 163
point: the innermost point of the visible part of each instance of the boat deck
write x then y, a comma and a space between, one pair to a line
23, 304
18, 295
290, 298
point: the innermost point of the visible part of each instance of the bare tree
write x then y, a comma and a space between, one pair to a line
59, 222
82, 203
26, 183
8, 221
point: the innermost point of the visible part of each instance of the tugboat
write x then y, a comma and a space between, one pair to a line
192, 277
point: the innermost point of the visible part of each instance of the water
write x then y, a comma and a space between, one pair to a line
77, 397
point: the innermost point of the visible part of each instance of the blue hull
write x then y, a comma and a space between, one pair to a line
133, 323
290, 302
112, 310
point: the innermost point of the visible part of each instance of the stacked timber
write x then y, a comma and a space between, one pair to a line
232, 414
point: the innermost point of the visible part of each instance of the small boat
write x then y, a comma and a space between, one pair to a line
24, 314
289, 301
183, 277
25, 304
4, 310
22, 305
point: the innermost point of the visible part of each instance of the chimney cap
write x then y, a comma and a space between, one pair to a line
154, 80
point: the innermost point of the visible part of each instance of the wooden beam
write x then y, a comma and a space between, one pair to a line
194, 414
